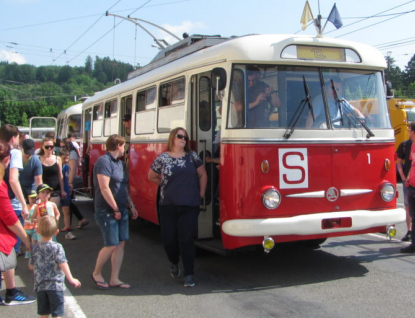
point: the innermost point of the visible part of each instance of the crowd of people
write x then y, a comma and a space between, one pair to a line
36, 185
32, 209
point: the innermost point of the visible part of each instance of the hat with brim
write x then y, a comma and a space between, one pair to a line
43, 187
32, 194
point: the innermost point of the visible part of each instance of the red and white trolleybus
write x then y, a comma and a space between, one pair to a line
290, 167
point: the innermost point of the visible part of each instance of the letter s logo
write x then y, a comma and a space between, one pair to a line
293, 164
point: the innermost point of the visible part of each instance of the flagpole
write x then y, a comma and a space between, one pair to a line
318, 22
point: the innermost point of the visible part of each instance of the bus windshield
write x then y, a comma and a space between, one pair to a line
270, 96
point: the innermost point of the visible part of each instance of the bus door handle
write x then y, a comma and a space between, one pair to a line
204, 142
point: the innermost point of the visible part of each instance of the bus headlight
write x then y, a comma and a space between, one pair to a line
388, 192
271, 199
390, 231
268, 244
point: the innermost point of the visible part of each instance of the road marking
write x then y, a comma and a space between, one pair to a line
72, 305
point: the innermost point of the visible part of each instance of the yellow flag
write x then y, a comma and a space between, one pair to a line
307, 16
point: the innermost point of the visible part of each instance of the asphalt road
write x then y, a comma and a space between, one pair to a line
355, 276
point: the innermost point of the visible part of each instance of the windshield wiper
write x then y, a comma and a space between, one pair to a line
344, 105
348, 109
299, 110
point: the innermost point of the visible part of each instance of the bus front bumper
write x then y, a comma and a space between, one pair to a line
310, 224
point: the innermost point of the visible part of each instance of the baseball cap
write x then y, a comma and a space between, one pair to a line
126, 117
32, 194
43, 187
28, 146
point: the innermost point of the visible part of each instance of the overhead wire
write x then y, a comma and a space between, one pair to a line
372, 16
86, 31
107, 32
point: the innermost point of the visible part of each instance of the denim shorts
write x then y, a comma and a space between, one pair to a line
66, 201
113, 231
50, 302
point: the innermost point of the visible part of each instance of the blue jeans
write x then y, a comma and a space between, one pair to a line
113, 231
178, 227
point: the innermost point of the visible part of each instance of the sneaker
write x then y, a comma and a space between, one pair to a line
70, 236
18, 299
408, 249
407, 237
174, 271
189, 281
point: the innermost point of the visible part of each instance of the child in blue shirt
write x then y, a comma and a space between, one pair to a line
50, 267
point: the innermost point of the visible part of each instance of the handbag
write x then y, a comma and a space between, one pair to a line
7, 262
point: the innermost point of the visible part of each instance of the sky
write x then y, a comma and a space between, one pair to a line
65, 32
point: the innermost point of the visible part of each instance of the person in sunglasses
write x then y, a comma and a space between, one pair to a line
181, 176
52, 170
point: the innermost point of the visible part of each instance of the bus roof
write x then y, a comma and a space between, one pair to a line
265, 48
72, 110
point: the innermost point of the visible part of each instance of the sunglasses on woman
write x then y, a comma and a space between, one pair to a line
182, 137
49, 147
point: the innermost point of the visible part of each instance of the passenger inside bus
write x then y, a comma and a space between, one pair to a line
126, 121
263, 99
73, 126
339, 111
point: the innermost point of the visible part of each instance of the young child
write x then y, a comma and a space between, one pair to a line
65, 203
44, 207
30, 227
50, 267
68, 207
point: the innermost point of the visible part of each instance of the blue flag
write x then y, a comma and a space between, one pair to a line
334, 17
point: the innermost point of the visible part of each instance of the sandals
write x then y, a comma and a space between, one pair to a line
66, 229
83, 224
121, 285
100, 284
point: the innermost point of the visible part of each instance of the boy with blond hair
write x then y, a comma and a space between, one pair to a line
50, 267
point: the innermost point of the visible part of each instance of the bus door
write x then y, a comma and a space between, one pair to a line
203, 132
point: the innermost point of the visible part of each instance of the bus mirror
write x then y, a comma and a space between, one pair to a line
389, 90
218, 79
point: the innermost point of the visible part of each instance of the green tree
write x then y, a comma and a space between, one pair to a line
409, 76
393, 74
88, 65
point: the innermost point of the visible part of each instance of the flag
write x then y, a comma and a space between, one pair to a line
334, 17
307, 16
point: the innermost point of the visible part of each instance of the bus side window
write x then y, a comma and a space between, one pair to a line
171, 111
97, 120
145, 111
110, 122
236, 117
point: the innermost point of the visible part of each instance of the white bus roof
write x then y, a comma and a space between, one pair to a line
72, 110
259, 49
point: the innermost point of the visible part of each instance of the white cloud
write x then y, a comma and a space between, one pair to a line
178, 30
11, 57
